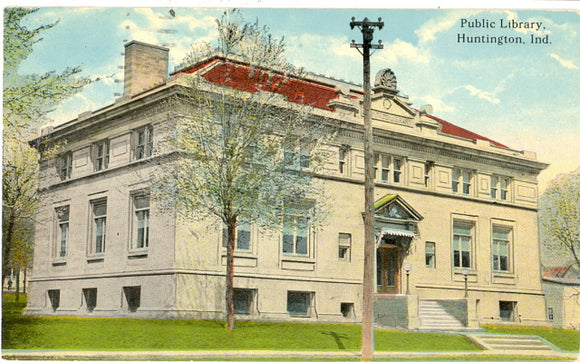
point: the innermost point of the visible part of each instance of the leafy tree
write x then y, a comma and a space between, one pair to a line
243, 152
27, 98
559, 214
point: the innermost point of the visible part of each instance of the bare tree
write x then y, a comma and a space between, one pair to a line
559, 214
247, 155
28, 98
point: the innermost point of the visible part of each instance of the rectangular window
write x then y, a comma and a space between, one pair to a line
428, 170
132, 298
90, 298
243, 301
397, 170
455, 181
65, 170
507, 310
101, 155
54, 299
550, 313
141, 221
461, 179
385, 165
63, 230
462, 238
499, 188
466, 178
143, 142
295, 236
344, 246
501, 248
299, 303
347, 310
342, 155
243, 237
429, 254
99, 226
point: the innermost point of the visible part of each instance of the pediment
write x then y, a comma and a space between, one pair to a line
394, 207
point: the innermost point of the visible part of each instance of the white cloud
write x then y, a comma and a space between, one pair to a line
403, 51
134, 32
439, 107
565, 63
481, 94
428, 31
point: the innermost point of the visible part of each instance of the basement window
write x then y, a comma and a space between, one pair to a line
132, 297
243, 301
54, 298
347, 310
90, 297
507, 310
299, 303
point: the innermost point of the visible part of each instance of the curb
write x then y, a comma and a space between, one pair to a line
249, 355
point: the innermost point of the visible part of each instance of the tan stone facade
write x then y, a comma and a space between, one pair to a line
447, 201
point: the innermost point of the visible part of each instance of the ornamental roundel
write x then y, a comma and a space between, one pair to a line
386, 78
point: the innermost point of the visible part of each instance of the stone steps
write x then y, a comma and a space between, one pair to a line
433, 317
504, 342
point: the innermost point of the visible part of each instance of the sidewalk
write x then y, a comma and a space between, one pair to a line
271, 355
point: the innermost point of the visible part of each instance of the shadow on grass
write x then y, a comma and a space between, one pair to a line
337, 339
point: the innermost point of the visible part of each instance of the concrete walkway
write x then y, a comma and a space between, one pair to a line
271, 355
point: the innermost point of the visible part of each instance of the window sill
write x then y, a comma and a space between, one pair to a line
297, 263
297, 258
503, 278
95, 258
299, 316
59, 262
138, 254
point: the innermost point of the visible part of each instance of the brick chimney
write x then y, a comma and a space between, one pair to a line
145, 67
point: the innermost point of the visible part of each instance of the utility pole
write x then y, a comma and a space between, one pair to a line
367, 29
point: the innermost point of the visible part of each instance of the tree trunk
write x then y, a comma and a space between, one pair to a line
231, 226
7, 246
17, 285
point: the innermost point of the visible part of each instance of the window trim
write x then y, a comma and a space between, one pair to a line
134, 248
510, 228
309, 308
65, 166
459, 181
471, 243
390, 166
92, 244
101, 161
345, 242
433, 264
60, 222
143, 150
295, 229
499, 188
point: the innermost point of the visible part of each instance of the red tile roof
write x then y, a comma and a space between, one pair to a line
453, 130
241, 76
557, 272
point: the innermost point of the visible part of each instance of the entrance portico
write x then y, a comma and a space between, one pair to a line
395, 227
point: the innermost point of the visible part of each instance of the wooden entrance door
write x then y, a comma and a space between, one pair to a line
388, 269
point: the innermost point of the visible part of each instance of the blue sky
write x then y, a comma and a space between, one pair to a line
522, 95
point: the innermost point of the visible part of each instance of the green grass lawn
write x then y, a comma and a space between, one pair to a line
70, 333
